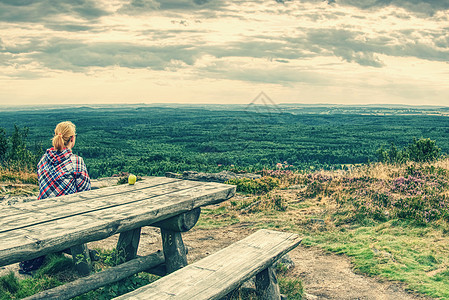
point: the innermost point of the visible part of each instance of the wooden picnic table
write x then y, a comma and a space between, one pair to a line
36, 228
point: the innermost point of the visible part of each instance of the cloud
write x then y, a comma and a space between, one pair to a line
191, 4
139, 7
420, 7
260, 72
135, 7
350, 45
429, 7
70, 27
257, 48
357, 46
41, 10
77, 56
165, 48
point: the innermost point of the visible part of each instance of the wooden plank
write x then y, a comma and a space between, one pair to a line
86, 196
149, 211
218, 274
59, 234
44, 210
45, 214
93, 199
97, 280
24, 244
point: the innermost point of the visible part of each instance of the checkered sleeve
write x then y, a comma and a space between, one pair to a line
82, 179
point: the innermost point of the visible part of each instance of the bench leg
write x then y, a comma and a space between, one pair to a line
127, 244
81, 258
174, 250
267, 287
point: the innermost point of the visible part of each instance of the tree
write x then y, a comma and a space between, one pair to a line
3, 145
423, 150
18, 153
392, 155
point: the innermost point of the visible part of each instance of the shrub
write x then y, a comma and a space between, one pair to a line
422, 150
3, 145
255, 186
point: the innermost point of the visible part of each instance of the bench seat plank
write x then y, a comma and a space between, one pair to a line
218, 274
132, 210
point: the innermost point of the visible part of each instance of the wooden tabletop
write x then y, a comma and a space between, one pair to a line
35, 228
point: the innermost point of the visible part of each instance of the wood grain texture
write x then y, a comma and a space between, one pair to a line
81, 259
94, 281
128, 243
218, 274
267, 286
182, 222
31, 213
63, 223
80, 198
174, 250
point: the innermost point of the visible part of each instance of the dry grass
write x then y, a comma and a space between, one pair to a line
16, 175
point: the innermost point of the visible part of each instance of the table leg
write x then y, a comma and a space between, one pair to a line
267, 285
81, 258
174, 250
173, 246
127, 244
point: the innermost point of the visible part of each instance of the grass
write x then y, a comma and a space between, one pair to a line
59, 269
398, 244
16, 181
395, 251
13, 174
56, 270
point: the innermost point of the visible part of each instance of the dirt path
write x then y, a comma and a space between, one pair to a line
324, 275
330, 276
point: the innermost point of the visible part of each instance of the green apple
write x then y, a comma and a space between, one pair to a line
132, 179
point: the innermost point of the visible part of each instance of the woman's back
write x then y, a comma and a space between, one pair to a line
61, 173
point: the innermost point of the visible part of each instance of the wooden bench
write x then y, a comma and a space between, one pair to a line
37, 228
217, 275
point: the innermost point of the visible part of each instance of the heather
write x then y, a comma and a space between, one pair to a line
418, 192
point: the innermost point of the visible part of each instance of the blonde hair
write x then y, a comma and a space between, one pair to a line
63, 133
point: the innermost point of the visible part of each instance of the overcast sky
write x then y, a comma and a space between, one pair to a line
207, 51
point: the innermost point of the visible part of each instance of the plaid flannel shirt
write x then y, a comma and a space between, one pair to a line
61, 173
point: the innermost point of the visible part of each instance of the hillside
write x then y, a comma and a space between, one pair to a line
382, 217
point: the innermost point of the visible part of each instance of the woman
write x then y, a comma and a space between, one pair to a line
60, 172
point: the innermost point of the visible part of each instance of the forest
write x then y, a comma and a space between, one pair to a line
154, 139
